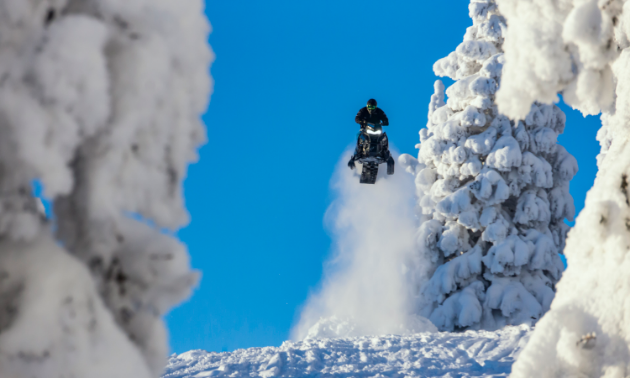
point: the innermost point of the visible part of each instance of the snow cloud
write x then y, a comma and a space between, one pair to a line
368, 282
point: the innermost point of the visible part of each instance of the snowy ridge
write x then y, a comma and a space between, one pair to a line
334, 328
467, 354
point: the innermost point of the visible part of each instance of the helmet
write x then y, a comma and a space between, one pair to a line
371, 104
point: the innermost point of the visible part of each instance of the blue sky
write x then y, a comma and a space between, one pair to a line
290, 76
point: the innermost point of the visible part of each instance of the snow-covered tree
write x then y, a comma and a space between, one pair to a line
493, 192
581, 48
100, 101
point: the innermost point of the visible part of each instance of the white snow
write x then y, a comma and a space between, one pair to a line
493, 193
423, 355
62, 328
100, 101
580, 47
369, 281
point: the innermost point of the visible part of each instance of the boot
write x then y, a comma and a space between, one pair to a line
351, 162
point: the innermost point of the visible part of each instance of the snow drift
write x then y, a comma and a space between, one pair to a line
368, 284
466, 354
581, 48
100, 101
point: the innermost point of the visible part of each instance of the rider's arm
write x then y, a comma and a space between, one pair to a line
384, 119
360, 118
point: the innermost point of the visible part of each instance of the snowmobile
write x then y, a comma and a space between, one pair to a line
372, 150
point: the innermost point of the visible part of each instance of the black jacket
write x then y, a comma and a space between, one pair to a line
378, 115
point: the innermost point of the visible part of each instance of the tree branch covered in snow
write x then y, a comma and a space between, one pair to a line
99, 100
580, 48
493, 192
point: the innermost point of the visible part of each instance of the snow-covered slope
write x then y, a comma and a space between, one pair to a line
468, 354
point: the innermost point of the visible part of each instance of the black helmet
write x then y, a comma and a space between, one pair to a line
371, 105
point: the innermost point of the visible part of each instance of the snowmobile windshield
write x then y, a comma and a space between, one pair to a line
374, 128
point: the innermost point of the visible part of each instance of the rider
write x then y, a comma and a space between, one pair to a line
371, 114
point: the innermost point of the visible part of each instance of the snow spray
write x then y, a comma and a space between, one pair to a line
365, 289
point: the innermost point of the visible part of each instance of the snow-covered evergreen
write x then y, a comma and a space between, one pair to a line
493, 192
100, 101
581, 48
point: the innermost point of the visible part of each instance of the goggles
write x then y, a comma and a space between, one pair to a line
371, 107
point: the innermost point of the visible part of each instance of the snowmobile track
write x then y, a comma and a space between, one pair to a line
369, 173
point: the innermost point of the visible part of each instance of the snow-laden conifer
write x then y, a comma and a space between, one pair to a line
493, 192
581, 48
100, 101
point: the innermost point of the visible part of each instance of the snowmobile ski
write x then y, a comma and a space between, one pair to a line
390, 165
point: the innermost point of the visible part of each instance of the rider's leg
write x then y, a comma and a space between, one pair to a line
351, 162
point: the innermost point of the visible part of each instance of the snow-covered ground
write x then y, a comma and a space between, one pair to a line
468, 354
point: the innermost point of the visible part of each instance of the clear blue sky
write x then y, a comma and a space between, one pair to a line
290, 76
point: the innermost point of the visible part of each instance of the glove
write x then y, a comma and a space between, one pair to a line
351, 162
